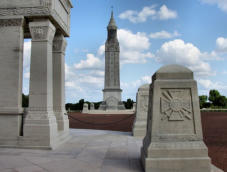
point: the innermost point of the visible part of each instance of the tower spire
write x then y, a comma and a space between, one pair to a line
112, 23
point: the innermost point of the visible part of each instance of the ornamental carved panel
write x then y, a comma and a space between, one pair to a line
39, 33
144, 104
176, 104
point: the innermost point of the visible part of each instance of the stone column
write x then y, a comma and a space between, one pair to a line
11, 68
59, 46
40, 124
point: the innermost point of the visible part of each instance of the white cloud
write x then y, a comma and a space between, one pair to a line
27, 75
101, 50
128, 40
133, 47
165, 13
27, 54
222, 4
138, 17
91, 62
208, 84
86, 83
179, 52
26, 65
130, 88
148, 12
221, 44
164, 35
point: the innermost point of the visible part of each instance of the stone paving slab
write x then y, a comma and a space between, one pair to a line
86, 151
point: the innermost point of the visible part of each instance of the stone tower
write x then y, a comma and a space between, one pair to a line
112, 90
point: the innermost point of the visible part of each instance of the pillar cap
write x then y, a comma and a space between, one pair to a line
173, 71
144, 87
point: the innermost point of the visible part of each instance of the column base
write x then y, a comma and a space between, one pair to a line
10, 127
40, 130
176, 157
62, 121
139, 128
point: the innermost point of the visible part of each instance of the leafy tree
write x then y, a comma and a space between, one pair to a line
217, 99
97, 104
128, 104
80, 104
221, 101
202, 101
213, 97
25, 100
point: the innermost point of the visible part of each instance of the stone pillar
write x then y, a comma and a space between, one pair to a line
11, 69
92, 106
134, 106
40, 124
140, 123
59, 46
174, 140
85, 108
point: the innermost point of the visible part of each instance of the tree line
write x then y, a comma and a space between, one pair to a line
78, 106
214, 101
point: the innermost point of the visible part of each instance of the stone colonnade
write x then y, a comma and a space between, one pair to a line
45, 124
46, 113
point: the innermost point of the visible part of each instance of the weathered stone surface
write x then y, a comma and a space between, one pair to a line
174, 140
140, 123
92, 106
85, 108
11, 68
59, 46
39, 20
41, 120
58, 11
112, 91
134, 106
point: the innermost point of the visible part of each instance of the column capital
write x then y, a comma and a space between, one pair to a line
42, 30
11, 21
59, 43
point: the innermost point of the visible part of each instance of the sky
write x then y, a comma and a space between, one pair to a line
151, 33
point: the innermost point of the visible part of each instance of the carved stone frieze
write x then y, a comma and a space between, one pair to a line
25, 11
176, 104
11, 22
59, 43
42, 31
39, 33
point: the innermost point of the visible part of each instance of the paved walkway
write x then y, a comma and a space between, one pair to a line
86, 151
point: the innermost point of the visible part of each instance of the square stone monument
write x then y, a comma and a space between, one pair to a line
140, 123
174, 140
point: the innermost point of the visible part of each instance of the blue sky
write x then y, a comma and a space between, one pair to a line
152, 33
